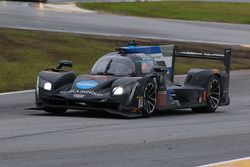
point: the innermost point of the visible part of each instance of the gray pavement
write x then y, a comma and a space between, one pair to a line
56, 1
177, 138
78, 138
25, 16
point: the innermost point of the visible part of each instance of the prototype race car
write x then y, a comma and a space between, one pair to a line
135, 81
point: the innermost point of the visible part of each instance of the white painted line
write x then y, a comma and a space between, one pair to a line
17, 92
66, 7
225, 162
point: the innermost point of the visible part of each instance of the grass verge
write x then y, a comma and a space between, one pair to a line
184, 10
25, 53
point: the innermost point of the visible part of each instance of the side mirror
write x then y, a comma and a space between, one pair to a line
160, 69
64, 63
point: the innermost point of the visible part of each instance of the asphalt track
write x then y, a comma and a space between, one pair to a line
82, 138
171, 139
26, 16
59, 1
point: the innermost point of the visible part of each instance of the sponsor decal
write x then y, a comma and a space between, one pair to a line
78, 95
99, 77
134, 110
82, 92
83, 104
140, 101
162, 99
87, 84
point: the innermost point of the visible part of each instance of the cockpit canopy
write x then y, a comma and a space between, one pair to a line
124, 65
114, 65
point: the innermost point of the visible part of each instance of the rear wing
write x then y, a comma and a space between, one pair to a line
170, 53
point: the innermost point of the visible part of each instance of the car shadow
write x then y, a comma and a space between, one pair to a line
80, 113
106, 115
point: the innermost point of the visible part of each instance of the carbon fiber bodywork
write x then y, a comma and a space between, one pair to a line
98, 98
69, 91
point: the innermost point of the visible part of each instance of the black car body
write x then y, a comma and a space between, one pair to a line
135, 81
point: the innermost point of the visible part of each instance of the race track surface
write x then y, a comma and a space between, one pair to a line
27, 16
80, 138
60, 1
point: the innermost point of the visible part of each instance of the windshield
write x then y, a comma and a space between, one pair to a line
113, 65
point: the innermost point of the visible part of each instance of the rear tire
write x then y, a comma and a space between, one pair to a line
54, 110
214, 96
149, 98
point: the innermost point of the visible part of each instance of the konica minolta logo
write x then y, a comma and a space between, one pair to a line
87, 84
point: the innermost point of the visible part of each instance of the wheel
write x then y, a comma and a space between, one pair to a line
214, 96
149, 98
54, 110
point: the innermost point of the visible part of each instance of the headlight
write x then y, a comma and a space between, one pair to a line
47, 86
43, 84
117, 90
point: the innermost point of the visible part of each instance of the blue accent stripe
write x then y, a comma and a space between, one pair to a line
142, 49
170, 70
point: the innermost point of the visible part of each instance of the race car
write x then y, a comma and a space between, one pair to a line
135, 81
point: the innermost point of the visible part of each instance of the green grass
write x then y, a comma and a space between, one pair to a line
24, 53
185, 10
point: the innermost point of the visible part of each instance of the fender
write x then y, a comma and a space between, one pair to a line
200, 77
58, 79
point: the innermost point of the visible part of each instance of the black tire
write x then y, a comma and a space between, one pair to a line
54, 110
214, 96
149, 98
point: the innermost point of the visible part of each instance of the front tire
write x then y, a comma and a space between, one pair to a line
213, 96
149, 98
55, 110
